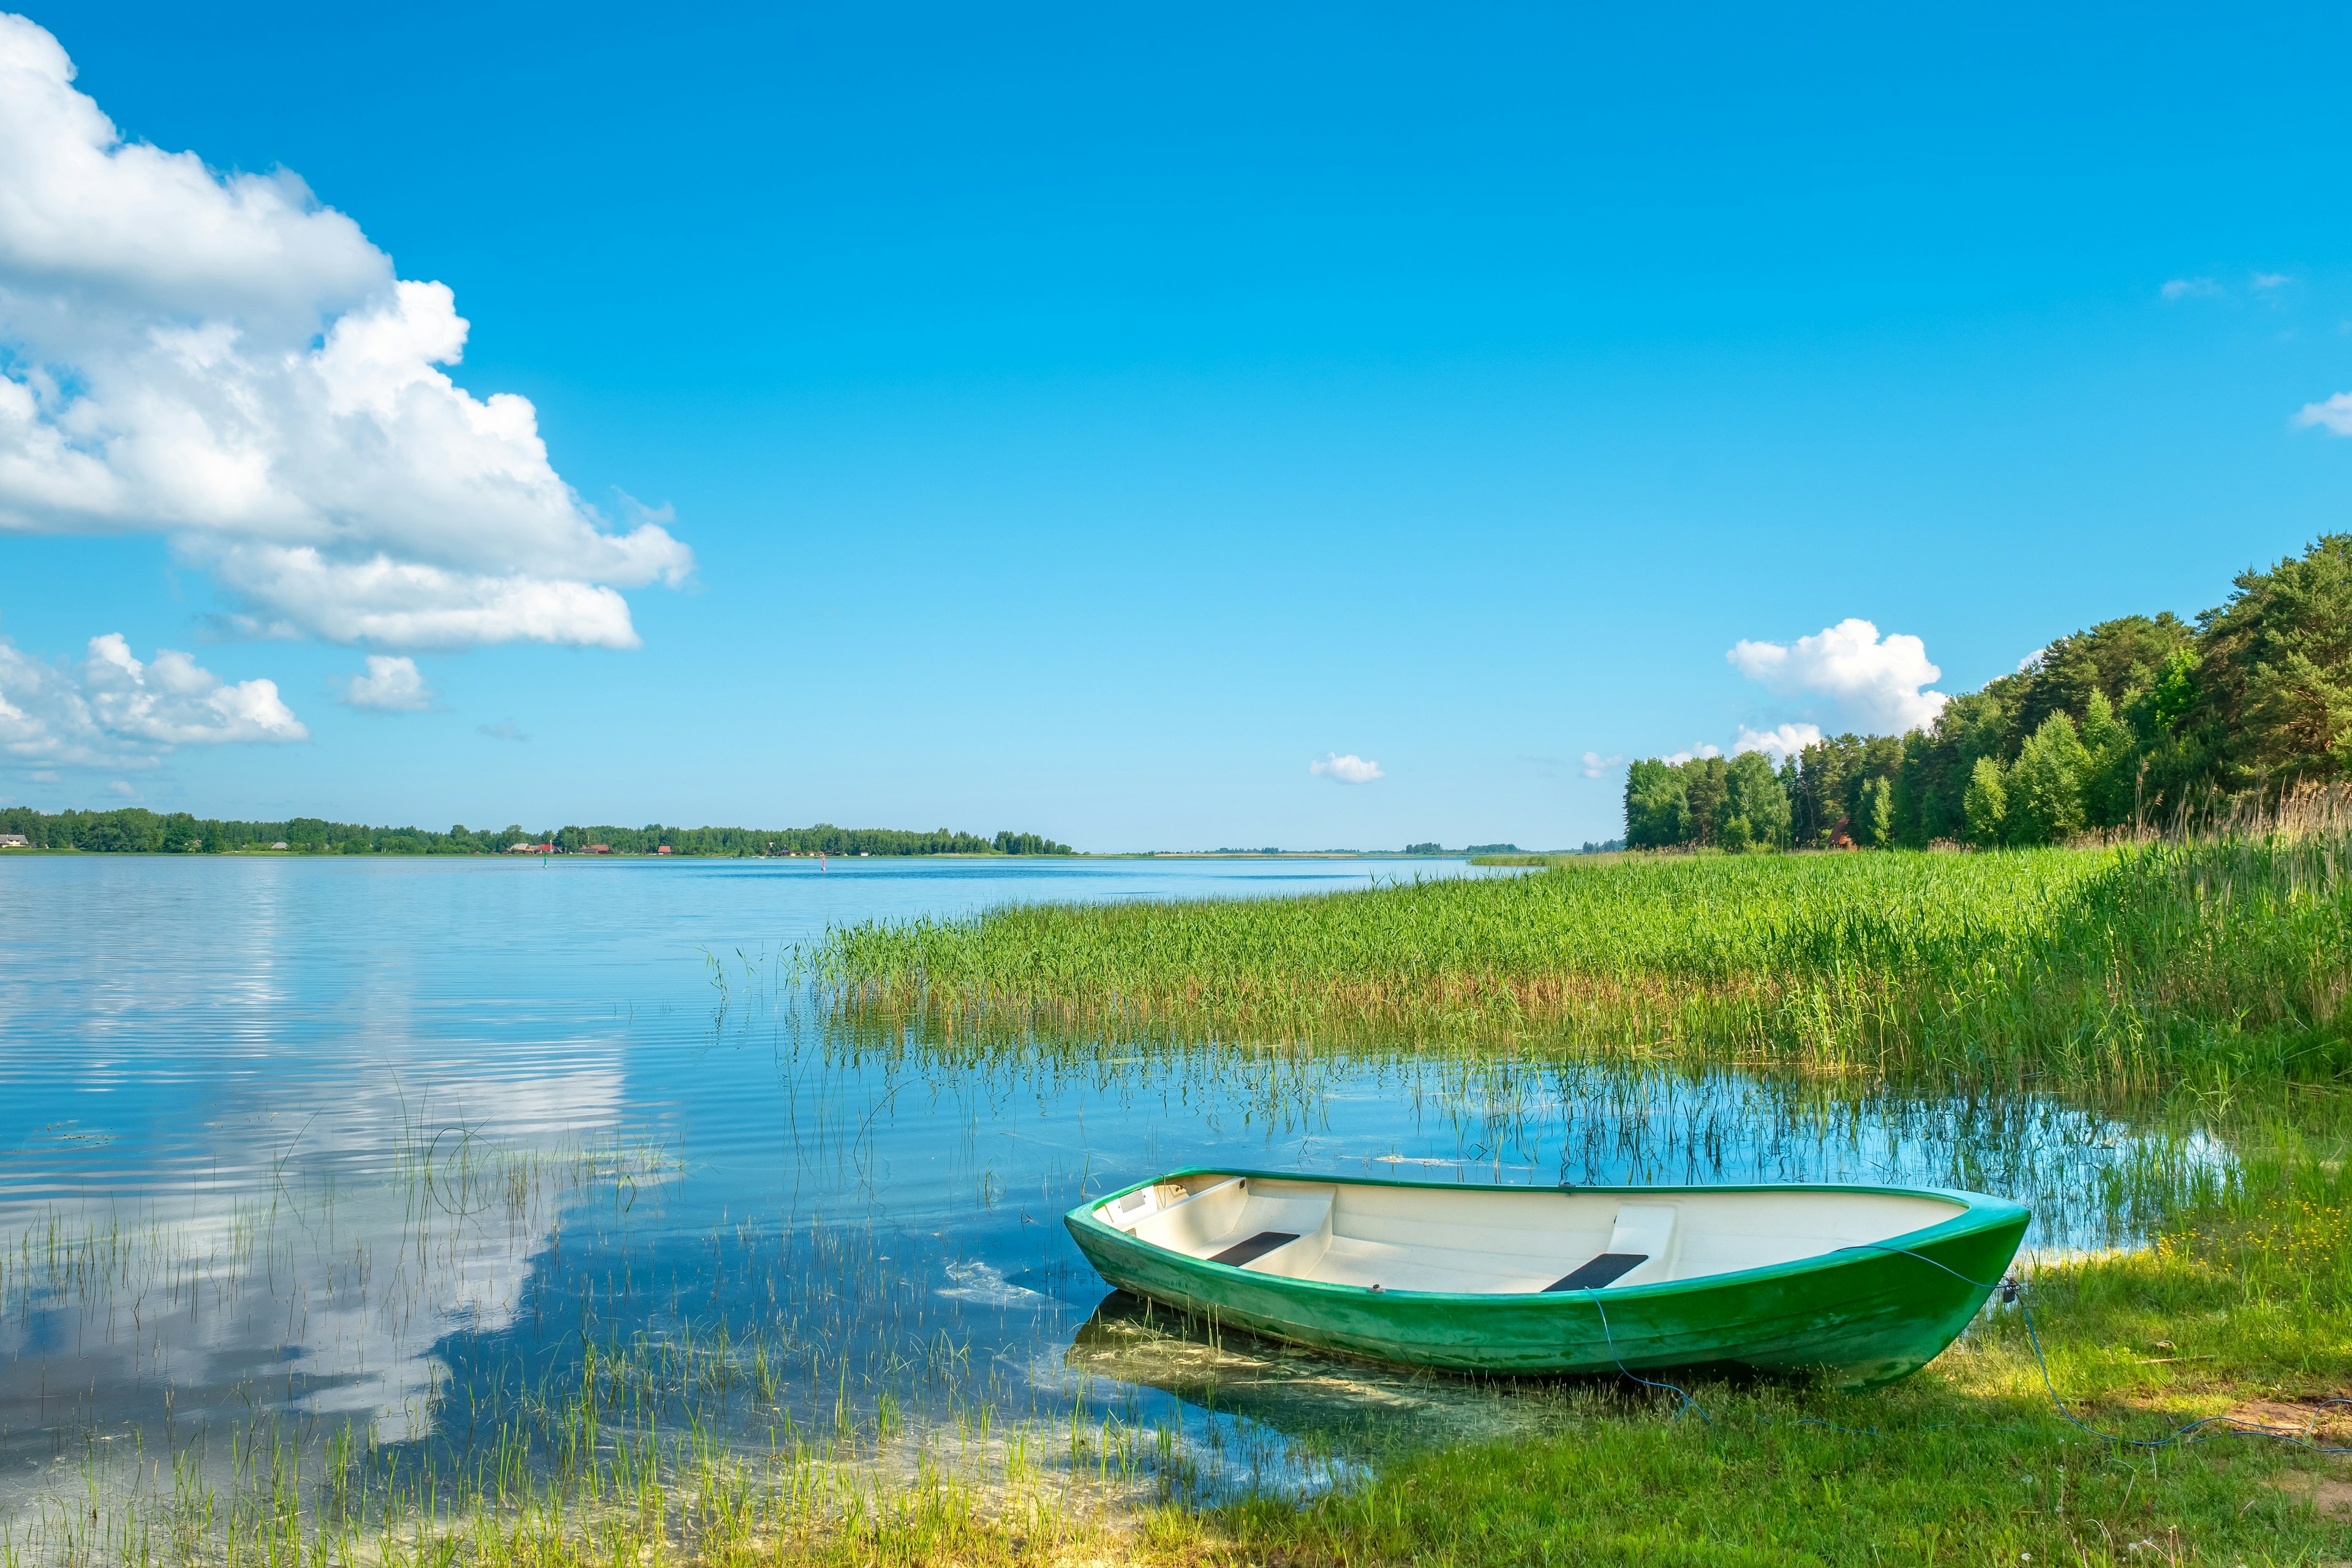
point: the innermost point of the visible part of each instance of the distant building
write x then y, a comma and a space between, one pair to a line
280, 845
14, 841
531, 849
599, 849
662, 850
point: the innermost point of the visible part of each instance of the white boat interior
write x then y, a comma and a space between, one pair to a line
1503, 1240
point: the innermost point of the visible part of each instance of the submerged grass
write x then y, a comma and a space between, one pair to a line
2130, 968
2240, 1316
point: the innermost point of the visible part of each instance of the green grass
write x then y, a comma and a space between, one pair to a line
1522, 860
2243, 1309
2138, 967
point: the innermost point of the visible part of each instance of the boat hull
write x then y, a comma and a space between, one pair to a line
1861, 1317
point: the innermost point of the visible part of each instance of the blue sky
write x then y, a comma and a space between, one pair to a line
1083, 419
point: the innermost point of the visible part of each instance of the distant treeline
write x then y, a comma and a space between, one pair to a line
135, 831
2134, 721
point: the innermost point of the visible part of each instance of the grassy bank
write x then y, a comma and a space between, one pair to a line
2240, 1316
2134, 967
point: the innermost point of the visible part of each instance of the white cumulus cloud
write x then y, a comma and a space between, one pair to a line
389, 685
1595, 765
1780, 742
172, 703
1876, 683
1704, 749
117, 711
1350, 769
223, 360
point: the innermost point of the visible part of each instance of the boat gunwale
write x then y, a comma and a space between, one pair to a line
1979, 1211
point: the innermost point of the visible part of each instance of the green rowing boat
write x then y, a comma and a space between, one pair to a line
1861, 1284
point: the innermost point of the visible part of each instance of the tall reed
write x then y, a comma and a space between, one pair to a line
2215, 955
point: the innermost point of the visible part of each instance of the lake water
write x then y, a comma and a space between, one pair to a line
396, 1147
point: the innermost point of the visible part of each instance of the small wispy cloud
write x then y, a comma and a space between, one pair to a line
1702, 749
504, 730
2335, 415
388, 686
2189, 289
1595, 765
2269, 280
123, 788
1350, 768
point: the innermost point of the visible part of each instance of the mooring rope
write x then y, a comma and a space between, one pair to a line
2011, 1291
1593, 1291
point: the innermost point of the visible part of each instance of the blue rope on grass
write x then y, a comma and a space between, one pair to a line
2178, 1435
1593, 1293
2010, 1292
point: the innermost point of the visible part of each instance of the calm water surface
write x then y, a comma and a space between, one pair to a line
397, 1146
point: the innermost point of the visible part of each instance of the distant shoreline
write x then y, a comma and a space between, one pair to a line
135, 829
1537, 856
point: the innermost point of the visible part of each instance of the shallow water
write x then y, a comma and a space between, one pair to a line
405, 1147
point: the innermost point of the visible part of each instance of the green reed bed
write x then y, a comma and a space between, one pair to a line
2133, 967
